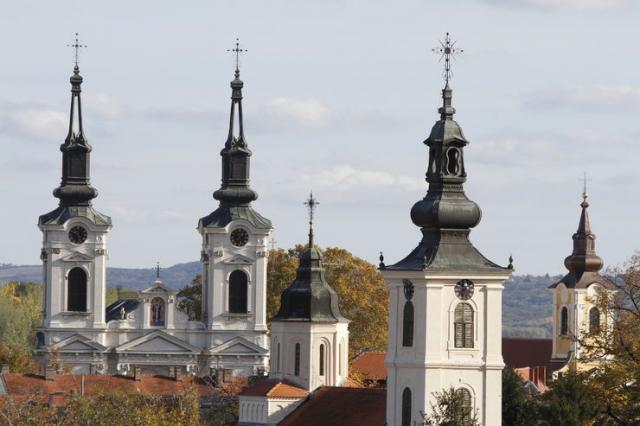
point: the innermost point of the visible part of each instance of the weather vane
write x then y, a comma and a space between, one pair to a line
237, 50
311, 204
448, 51
77, 47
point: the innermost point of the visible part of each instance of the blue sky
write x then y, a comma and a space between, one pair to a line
339, 96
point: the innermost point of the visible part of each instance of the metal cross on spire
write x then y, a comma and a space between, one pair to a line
311, 204
584, 186
157, 270
237, 50
76, 45
448, 51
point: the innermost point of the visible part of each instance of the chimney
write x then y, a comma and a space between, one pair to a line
137, 374
49, 372
178, 374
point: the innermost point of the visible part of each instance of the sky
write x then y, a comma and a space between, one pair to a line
338, 97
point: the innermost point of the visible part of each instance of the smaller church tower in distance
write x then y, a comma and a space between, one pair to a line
234, 258
445, 297
74, 244
309, 335
574, 311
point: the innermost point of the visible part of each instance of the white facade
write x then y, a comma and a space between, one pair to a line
433, 362
265, 410
296, 348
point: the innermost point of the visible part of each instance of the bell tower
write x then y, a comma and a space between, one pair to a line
445, 312
234, 251
74, 244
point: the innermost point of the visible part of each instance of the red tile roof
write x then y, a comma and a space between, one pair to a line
370, 365
274, 388
21, 387
525, 352
338, 406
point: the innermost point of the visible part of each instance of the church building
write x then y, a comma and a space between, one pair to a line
148, 333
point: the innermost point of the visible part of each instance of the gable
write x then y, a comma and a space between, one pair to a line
238, 260
76, 257
156, 342
77, 343
238, 346
77, 346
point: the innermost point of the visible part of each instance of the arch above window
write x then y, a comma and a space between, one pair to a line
77, 290
463, 325
238, 292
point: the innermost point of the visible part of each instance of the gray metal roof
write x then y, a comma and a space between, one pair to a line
222, 216
63, 213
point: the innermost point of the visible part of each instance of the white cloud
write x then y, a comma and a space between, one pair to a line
103, 105
586, 99
346, 178
580, 5
302, 113
40, 123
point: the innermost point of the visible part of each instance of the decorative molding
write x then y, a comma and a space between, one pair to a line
55, 250
218, 252
100, 252
261, 253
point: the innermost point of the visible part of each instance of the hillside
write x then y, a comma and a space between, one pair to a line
526, 307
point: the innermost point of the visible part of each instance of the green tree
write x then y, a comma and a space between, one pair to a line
190, 298
351, 278
20, 305
570, 401
451, 408
518, 408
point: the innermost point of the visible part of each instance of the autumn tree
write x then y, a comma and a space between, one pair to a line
452, 407
359, 285
615, 348
570, 401
20, 305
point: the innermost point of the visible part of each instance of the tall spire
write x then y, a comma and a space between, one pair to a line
584, 257
75, 188
445, 215
235, 190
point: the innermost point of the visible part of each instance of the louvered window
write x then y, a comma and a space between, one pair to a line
407, 324
463, 325
466, 403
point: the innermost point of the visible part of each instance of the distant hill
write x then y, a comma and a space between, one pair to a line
176, 276
526, 307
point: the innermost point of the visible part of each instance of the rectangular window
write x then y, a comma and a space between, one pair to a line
296, 367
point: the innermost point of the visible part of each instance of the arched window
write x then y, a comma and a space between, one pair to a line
564, 321
466, 403
77, 290
296, 359
406, 407
278, 357
321, 367
238, 292
407, 324
463, 325
157, 311
594, 320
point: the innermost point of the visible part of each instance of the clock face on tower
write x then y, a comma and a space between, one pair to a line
239, 237
77, 235
464, 289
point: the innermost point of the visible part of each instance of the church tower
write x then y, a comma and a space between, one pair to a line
309, 335
74, 244
445, 312
574, 312
234, 253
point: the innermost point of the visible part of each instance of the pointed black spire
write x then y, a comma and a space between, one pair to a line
75, 191
309, 298
75, 188
235, 190
584, 257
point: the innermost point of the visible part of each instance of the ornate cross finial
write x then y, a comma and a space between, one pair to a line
311, 204
237, 50
76, 45
448, 51
157, 270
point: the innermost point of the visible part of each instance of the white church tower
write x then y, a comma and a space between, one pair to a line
309, 335
445, 312
74, 244
234, 259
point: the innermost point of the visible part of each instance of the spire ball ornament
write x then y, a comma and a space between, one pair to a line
447, 51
